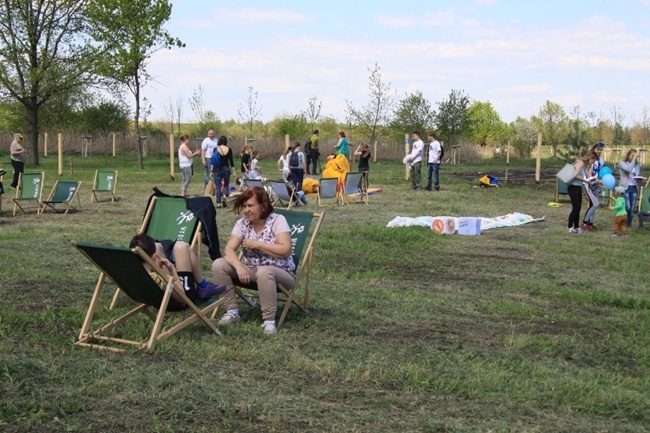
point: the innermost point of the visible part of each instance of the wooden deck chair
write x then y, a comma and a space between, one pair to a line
328, 189
644, 205
560, 188
29, 192
302, 239
169, 218
351, 187
105, 182
63, 193
282, 195
253, 182
123, 266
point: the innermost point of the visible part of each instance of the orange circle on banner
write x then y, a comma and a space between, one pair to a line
438, 226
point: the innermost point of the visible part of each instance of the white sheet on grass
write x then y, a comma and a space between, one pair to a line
508, 220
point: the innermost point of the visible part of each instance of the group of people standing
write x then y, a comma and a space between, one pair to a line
434, 158
588, 180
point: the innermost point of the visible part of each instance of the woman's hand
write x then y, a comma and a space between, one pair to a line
242, 274
250, 244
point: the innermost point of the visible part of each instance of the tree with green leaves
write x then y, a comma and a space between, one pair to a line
134, 32
413, 113
452, 118
312, 114
374, 119
486, 124
46, 51
104, 118
553, 124
578, 136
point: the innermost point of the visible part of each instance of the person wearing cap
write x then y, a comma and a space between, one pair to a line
592, 189
18, 158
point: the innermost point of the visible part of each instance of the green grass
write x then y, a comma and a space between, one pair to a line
518, 329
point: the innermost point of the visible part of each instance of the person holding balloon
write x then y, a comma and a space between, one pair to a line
629, 169
592, 189
575, 190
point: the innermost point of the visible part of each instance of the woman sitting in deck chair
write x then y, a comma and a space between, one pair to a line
265, 238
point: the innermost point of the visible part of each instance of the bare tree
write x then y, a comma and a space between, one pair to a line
617, 118
312, 114
179, 113
249, 111
374, 119
197, 104
170, 113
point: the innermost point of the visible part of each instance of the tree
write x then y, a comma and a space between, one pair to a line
104, 118
374, 119
486, 125
617, 118
249, 111
578, 136
312, 114
452, 119
46, 51
134, 32
554, 124
525, 135
413, 113
295, 126
197, 103
179, 113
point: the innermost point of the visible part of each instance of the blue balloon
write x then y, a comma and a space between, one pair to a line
608, 181
603, 171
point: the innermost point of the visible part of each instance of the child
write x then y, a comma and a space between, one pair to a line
255, 166
620, 213
178, 260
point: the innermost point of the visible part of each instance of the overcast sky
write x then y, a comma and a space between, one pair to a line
514, 54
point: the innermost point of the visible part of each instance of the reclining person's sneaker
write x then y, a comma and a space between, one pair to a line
210, 290
229, 318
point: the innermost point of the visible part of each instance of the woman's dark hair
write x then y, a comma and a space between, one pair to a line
260, 196
223, 140
185, 137
296, 145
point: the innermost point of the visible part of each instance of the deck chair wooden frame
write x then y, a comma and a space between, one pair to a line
169, 218
63, 193
328, 189
105, 182
281, 194
351, 187
29, 192
123, 266
304, 230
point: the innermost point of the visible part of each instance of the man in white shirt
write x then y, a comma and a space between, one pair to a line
416, 161
435, 154
207, 147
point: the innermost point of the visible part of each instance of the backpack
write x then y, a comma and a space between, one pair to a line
442, 152
216, 159
294, 159
308, 143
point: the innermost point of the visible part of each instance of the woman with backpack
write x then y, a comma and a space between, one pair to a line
222, 163
297, 166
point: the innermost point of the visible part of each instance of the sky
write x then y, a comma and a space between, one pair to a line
592, 54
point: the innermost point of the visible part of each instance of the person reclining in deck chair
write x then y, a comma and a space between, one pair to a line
180, 261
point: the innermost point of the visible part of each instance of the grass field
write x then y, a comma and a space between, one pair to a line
524, 329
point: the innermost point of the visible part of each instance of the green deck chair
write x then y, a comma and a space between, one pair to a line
63, 193
328, 189
123, 266
351, 187
560, 188
29, 192
105, 182
167, 218
302, 239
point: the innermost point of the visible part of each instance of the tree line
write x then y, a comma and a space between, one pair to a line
63, 57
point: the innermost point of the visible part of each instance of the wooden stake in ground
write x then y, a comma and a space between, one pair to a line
171, 156
60, 150
538, 166
407, 150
